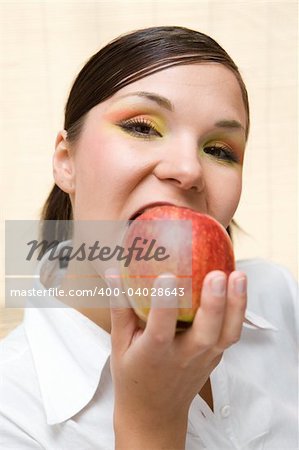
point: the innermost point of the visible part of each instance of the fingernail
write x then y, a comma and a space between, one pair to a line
166, 280
111, 276
163, 297
218, 286
240, 285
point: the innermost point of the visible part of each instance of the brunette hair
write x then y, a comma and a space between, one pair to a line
124, 60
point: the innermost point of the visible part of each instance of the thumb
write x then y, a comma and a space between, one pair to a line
124, 321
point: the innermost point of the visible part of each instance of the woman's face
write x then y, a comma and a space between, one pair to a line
177, 136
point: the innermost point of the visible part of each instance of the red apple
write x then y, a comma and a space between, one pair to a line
194, 244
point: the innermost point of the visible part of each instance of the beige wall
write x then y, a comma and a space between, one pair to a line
44, 44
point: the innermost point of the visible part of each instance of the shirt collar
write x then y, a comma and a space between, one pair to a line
70, 351
257, 322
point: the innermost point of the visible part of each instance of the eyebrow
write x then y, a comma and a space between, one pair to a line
162, 101
233, 124
165, 103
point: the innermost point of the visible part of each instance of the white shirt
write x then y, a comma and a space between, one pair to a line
56, 391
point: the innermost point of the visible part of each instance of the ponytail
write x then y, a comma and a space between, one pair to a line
57, 208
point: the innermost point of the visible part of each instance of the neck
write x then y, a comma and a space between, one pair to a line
95, 308
100, 316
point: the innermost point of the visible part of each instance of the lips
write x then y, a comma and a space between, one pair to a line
148, 206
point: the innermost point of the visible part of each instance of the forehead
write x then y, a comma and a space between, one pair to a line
194, 87
192, 75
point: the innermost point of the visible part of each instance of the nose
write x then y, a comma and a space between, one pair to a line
181, 166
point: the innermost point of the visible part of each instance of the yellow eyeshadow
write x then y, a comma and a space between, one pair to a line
126, 116
135, 111
159, 124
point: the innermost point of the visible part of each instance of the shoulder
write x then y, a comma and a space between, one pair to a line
13, 346
15, 343
16, 361
272, 291
20, 406
267, 274
258, 264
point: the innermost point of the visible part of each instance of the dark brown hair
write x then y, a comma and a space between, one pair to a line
123, 61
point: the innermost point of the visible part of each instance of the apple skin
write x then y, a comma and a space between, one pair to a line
200, 248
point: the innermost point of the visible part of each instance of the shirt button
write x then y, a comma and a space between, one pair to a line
225, 411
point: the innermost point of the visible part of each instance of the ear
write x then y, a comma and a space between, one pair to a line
63, 164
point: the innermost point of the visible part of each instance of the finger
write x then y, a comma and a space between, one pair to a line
161, 323
123, 319
206, 328
235, 310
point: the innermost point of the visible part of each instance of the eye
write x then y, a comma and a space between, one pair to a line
220, 152
140, 127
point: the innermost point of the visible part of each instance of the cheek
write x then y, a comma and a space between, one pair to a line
92, 173
223, 195
104, 155
106, 170
89, 156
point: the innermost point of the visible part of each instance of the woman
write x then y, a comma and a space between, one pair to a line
158, 115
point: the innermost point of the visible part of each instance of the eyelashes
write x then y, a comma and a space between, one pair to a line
140, 127
146, 129
221, 152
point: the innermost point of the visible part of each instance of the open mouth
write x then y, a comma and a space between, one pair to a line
134, 217
145, 208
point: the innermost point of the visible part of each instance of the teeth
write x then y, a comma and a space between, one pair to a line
139, 213
136, 215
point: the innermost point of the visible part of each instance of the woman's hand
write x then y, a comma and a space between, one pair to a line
156, 372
